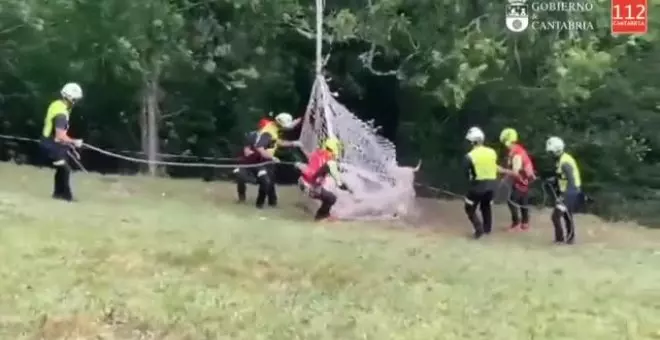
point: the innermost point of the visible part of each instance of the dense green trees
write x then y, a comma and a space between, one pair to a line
191, 76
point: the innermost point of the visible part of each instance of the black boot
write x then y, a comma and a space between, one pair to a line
272, 195
262, 192
556, 224
240, 177
241, 189
328, 200
470, 211
62, 185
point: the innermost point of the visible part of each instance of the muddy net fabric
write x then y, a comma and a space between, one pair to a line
380, 188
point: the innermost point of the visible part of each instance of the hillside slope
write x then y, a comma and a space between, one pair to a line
142, 258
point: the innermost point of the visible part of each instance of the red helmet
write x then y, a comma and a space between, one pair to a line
263, 122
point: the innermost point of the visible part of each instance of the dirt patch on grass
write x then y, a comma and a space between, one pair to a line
446, 218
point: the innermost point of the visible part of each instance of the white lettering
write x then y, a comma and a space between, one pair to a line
562, 25
561, 6
628, 23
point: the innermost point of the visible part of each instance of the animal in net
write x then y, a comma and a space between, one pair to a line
380, 188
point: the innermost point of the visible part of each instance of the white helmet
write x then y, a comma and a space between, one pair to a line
554, 145
72, 92
475, 135
284, 120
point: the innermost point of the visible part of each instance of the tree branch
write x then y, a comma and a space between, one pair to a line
474, 23
367, 59
174, 113
307, 33
11, 29
326, 59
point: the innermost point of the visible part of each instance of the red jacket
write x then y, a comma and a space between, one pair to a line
317, 160
527, 172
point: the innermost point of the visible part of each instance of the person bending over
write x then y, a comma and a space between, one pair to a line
568, 185
322, 163
481, 168
55, 141
260, 147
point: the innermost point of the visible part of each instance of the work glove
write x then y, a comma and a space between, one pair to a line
78, 143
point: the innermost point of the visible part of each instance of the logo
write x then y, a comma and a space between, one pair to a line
629, 16
517, 15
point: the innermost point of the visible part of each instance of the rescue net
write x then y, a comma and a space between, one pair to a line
380, 188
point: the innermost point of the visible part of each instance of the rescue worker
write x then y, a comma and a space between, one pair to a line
265, 121
521, 169
481, 168
568, 185
321, 163
55, 141
260, 147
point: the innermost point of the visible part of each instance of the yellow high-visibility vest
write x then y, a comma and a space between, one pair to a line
484, 160
562, 180
55, 108
274, 131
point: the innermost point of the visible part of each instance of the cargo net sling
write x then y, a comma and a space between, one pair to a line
379, 188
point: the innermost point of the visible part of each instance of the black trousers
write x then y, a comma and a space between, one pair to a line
263, 176
327, 198
518, 206
482, 200
57, 154
564, 210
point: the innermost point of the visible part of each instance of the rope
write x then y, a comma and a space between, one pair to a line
501, 183
22, 139
160, 155
226, 166
181, 164
76, 157
167, 163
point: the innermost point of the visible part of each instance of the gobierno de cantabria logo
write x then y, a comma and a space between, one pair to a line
517, 15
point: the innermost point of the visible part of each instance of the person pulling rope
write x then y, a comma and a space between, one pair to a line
481, 168
55, 141
567, 183
260, 146
521, 170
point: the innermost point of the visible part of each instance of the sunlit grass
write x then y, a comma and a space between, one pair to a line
145, 258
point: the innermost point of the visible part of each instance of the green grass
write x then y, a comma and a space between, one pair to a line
143, 258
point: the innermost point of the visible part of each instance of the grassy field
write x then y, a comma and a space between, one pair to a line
142, 258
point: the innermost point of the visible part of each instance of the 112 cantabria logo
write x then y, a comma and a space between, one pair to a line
629, 16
